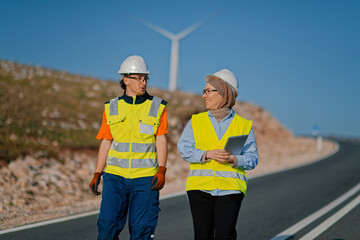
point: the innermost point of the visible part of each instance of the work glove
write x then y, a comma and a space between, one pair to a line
158, 181
94, 184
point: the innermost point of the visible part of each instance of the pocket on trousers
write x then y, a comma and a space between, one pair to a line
154, 211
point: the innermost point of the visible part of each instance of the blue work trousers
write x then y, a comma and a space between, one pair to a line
121, 196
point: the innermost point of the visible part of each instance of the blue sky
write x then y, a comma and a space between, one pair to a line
300, 60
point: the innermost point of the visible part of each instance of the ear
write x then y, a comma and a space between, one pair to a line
126, 80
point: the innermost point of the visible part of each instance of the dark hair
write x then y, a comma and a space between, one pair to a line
122, 84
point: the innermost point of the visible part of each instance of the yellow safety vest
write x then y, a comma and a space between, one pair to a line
133, 124
212, 175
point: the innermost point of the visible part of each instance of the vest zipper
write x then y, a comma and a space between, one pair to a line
131, 135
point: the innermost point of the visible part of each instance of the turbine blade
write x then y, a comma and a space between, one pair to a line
192, 28
154, 27
189, 30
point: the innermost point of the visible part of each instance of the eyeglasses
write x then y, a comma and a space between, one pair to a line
207, 91
145, 79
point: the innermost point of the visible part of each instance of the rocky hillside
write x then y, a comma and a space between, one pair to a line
48, 123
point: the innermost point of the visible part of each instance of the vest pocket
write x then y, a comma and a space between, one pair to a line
148, 126
115, 119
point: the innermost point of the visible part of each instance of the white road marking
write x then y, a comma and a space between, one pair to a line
57, 220
63, 219
330, 221
306, 221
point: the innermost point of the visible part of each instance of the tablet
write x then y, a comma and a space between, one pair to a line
235, 144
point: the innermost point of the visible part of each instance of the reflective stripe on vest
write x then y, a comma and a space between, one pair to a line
155, 106
209, 173
212, 175
136, 147
133, 127
135, 163
114, 107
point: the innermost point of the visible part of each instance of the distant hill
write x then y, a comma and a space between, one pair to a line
44, 111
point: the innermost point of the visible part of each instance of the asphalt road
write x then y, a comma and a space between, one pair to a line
274, 203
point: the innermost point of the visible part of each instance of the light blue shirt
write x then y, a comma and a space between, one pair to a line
247, 160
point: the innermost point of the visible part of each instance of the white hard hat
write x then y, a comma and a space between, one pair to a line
134, 64
228, 77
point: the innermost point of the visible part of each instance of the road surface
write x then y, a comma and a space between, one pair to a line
318, 201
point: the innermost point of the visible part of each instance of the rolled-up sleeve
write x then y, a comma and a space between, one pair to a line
104, 132
186, 146
248, 159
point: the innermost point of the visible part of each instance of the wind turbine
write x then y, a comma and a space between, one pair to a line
175, 38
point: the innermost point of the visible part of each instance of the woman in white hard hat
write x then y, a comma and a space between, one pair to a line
216, 183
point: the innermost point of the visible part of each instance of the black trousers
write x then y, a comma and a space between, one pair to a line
214, 217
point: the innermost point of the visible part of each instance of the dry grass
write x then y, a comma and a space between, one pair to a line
42, 114
44, 111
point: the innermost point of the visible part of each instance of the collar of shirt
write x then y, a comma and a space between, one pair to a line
139, 99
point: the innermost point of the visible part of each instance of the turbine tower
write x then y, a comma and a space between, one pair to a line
174, 56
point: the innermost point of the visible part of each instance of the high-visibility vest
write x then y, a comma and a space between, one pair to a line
133, 124
212, 175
